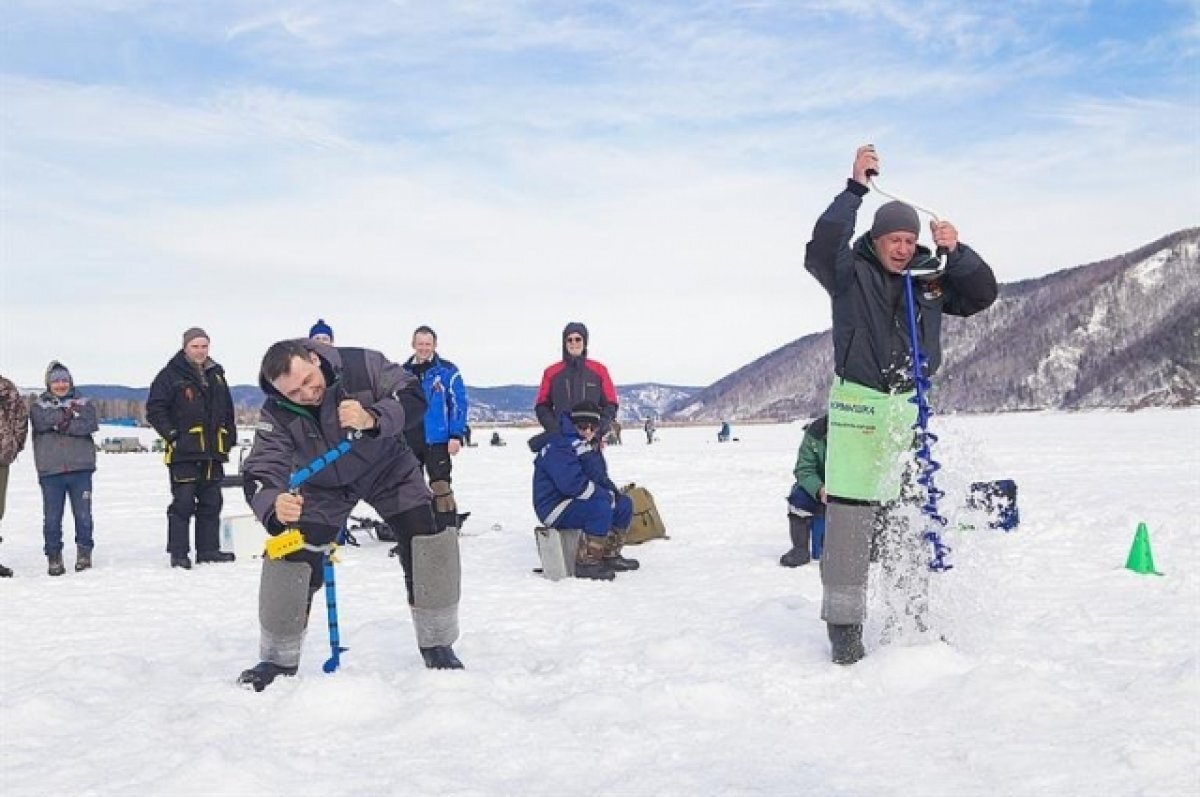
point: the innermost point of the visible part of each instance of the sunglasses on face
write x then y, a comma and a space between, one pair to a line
574, 339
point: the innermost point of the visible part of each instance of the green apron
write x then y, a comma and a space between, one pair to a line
870, 440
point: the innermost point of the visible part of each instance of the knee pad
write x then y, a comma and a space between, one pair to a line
437, 585
284, 597
443, 496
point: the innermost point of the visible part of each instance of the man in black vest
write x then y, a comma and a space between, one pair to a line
316, 395
191, 408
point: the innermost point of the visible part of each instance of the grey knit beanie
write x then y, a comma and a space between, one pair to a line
895, 217
192, 334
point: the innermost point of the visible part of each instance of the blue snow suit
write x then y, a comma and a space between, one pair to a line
446, 395
571, 486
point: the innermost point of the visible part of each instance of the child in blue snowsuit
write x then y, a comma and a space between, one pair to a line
572, 490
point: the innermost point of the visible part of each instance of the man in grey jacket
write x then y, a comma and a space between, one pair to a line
870, 409
316, 396
65, 455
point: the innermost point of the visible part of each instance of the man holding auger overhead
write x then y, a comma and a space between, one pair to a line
870, 410
315, 395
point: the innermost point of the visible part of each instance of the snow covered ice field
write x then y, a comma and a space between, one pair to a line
704, 673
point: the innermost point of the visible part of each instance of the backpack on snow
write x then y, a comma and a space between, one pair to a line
647, 524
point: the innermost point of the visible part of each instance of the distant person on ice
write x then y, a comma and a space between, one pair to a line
573, 379
14, 429
650, 428
191, 408
806, 502
315, 394
724, 433
572, 490
64, 452
870, 415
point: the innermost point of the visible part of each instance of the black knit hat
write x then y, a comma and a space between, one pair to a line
584, 412
895, 217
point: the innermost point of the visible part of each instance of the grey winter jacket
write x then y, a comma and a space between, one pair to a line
870, 320
289, 436
62, 432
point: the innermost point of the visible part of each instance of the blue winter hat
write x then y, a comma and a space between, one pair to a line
320, 328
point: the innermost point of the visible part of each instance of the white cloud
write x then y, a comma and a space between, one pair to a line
498, 169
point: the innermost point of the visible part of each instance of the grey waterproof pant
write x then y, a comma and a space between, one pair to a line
858, 534
845, 562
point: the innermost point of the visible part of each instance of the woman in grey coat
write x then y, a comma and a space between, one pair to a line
65, 455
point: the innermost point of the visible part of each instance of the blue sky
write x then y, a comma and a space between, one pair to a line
498, 169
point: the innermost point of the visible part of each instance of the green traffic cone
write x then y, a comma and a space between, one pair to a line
1140, 559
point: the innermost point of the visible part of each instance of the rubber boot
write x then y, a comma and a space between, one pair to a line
845, 642
441, 657
589, 561
261, 675
613, 560
5, 572
798, 528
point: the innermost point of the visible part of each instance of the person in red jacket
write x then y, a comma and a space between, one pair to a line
573, 379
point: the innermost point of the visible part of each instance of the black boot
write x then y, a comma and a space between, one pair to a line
181, 560
589, 562
441, 657
83, 559
56, 564
5, 572
260, 676
845, 643
613, 560
798, 528
214, 556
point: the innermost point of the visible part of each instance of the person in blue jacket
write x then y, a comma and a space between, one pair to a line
572, 490
441, 437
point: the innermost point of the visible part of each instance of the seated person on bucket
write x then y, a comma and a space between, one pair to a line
572, 490
806, 502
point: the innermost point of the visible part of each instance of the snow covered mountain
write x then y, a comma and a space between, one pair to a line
514, 403
1124, 332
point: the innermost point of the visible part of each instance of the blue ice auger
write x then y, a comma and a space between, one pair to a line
292, 540
927, 466
318, 464
335, 643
